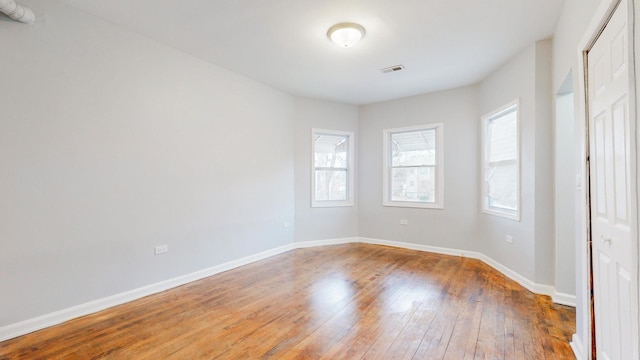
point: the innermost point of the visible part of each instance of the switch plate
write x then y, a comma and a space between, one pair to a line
286, 224
509, 239
579, 181
161, 249
404, 222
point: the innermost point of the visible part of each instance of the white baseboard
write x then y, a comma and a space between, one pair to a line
564, 299
577, 347
24, 327
556, 297
315, 243
419, 247
515, 276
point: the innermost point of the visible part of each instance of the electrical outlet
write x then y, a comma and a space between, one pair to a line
161, 249
404, 222
509, 239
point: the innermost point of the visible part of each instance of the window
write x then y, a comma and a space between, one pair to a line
332, 178
413, 175
501, 163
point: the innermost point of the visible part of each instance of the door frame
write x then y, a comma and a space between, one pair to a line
599, 21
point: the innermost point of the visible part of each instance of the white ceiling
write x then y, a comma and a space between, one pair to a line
442, 43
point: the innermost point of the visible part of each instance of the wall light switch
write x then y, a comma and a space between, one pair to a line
509, 239
161, 249
404, 221
286, 224
579, 182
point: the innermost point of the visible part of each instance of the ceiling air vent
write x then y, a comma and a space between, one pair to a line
393, 68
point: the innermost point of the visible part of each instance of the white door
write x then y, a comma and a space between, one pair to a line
612, 206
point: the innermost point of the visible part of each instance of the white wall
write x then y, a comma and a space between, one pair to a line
453, 227
526, 77
329, 222
514, 80
111, 144
572, 23
544, 159
565, 185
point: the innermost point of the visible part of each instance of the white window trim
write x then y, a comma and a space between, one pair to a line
386, 165
350, 170
505, 213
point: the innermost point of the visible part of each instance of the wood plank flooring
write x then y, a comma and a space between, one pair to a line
352, 301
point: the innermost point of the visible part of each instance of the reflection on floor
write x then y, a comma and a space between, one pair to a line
354, 301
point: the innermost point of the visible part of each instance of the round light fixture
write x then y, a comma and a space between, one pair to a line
345, 34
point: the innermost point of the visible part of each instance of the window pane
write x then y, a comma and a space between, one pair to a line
502, 185
413, 148
413, 184
331, 151
502, 135
331, 185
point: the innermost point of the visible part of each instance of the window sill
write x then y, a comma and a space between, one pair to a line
408, 204
327, 204
515, 215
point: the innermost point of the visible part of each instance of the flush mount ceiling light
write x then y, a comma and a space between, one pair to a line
345, 34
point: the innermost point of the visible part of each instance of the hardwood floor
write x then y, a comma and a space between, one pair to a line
353, 301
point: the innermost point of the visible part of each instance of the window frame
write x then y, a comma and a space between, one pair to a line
486, 208
439, 167
349, 169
